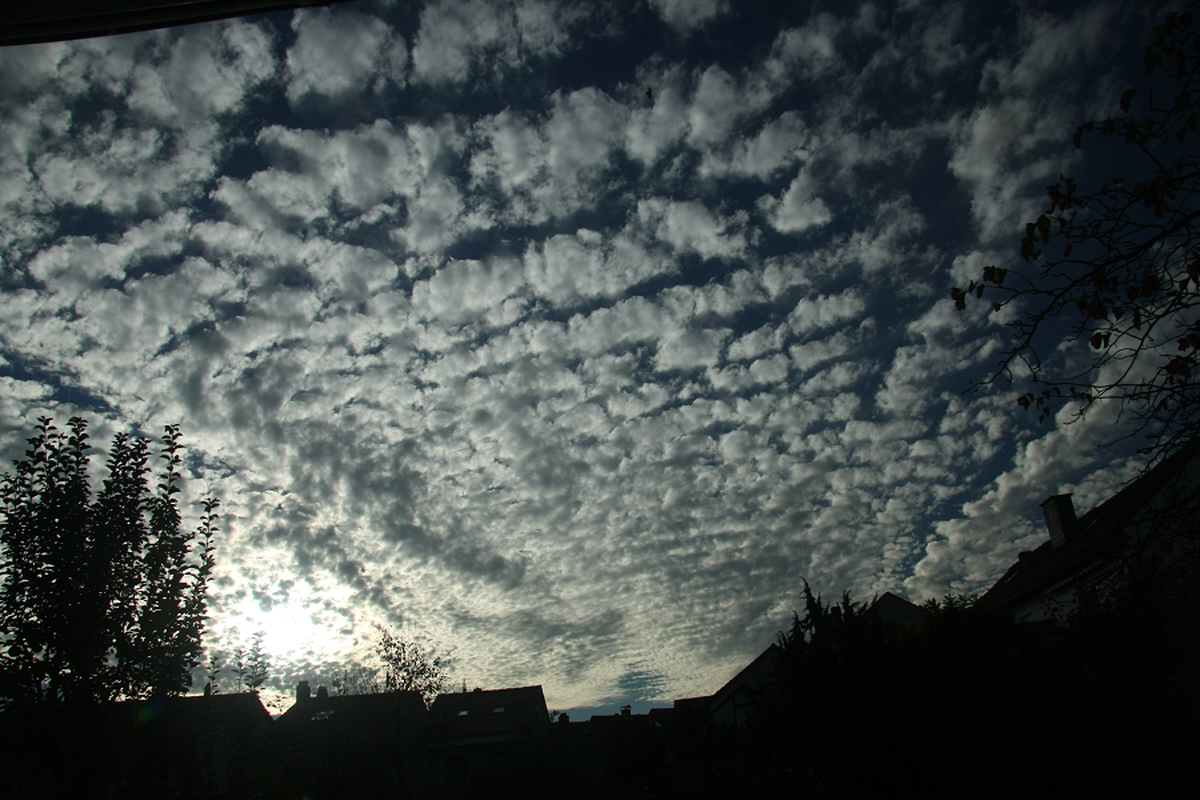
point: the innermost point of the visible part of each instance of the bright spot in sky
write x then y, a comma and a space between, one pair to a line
291, 628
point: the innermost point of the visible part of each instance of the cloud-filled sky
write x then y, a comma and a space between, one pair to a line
566, 338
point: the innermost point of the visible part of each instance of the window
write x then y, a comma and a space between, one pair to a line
463, 713
498, 710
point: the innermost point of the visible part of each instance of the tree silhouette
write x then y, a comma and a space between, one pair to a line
212, 672
407, 667
1120, 265
357, 679
99, 598
404, 666
258, 663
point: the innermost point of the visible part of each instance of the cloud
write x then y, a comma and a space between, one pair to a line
981, 543
339, 53
471, 39
686, 16
812, 314
571, 380
202, 75
652, 130
775, 147
1003, 149
812, 353
568, 268
463, 290
809, 50
689, 227
688, 349
716, 105
550, 167
86, 263
799, 209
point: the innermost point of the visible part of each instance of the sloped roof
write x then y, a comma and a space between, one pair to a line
191, 712
352, 722
497, 712
132, 748
893, 609
1094, 538
760, 670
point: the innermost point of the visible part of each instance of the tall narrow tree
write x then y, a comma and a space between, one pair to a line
105, 598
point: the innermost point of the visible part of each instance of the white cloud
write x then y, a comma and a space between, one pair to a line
582, 130
686, 16
823, 311
689, 227
83, 262
204, 74
1000, 148
462, 290
799, 209
565, 269
339, 53
652, 130
991, 156
973, 548
754, 344
809, 51
691, 348
775, 147
630, 321
888, 240
462, 39
432, 217
818, 351
769, 371
553, 169
515, 153
716, 106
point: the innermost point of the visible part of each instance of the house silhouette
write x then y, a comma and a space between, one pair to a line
1147, 531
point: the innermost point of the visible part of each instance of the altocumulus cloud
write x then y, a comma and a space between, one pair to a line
569, 336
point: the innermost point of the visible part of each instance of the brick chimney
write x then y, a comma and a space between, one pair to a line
1060, 518
302, 691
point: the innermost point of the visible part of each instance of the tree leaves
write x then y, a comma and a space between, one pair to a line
1128, 267
407, 667
105, 597
1127, 98
258, 663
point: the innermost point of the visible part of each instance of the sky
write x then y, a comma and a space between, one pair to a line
566, 339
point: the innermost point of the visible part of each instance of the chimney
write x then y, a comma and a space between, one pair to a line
322, 693
302, 691
1060, 518
626, 711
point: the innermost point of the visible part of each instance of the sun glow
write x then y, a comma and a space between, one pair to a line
292, 629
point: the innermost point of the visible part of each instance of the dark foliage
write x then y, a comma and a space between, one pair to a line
407, 667
258, 663
968, 704
104, 597
404, 666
